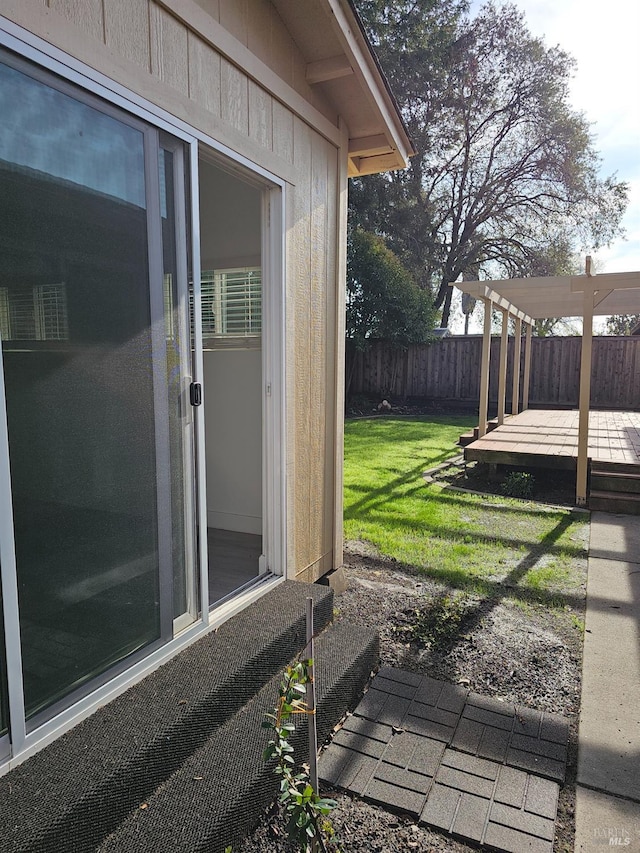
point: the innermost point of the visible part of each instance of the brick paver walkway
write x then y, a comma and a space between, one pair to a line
472, 766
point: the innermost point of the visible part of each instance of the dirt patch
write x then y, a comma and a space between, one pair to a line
363, 406
520, 652
524, 653
548, 486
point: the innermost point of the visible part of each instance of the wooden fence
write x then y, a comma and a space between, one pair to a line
448, 370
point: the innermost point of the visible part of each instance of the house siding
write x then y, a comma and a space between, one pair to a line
151, 49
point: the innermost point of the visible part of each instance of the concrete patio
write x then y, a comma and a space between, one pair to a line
608, 789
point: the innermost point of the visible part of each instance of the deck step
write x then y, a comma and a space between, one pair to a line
615, 467
617, 502
614, 481
491, 425
218, 795
82, 786
467, 438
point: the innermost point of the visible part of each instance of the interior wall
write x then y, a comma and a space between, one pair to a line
230, 235
230, 221
233, 435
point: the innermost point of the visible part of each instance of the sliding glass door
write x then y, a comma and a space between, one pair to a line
94, 328
4, 704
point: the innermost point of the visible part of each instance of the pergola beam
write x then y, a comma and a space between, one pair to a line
482, 291
599, 299
561, 296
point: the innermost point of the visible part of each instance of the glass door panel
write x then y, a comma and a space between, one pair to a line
4, 703
179, 349
82, 395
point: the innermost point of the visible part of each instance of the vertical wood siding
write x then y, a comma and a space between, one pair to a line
449, 369
127, 29
299, 338
155, 54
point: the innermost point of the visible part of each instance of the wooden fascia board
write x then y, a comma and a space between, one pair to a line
332, 68
606, 281
373, 85
369, 146
374, 165
196, 19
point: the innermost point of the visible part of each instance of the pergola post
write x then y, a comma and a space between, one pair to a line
585, 397
502, 373
526, 381
483, 415
517, 347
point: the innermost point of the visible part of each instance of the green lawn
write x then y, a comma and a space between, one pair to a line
492, 545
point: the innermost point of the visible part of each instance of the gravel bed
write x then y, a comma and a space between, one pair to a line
528, 654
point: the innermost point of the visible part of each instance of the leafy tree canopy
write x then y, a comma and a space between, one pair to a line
383, 300
622, 324
505, 167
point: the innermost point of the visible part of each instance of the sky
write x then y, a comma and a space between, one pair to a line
603, 39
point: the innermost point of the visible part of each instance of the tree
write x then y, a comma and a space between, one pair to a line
622, 324
383, 300
505, 168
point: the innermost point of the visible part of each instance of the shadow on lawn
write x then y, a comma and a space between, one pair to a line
493, 591
371, 497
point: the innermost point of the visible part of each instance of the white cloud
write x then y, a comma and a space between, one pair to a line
603, 38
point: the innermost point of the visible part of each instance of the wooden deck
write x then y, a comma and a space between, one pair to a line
549, 438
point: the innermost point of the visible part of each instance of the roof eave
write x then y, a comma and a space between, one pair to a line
365, 158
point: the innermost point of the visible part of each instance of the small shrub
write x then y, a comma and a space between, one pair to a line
308, 825
518, 484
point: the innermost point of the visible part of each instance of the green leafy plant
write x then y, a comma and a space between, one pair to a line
307, 824
518, 484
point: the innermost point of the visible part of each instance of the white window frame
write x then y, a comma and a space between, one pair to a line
216, 281
48, 57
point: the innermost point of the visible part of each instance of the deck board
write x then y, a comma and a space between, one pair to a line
613, 437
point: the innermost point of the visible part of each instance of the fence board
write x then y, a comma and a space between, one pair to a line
449, 369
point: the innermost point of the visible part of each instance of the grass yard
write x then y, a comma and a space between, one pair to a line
485, 544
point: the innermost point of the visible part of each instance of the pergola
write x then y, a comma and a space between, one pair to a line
531, 299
